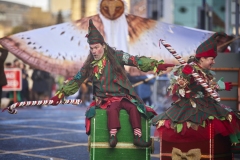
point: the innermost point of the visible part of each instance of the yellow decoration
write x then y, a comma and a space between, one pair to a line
193, 103
188, 124
229, 117
160, 123
192, 154
98, 66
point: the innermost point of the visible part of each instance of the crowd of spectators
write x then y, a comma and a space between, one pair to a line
41, 85
36, 84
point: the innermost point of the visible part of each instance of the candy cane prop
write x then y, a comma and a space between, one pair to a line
12, 109
198, 78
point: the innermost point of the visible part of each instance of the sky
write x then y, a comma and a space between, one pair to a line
34, 3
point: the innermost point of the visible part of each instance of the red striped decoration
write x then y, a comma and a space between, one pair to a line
11, 109
197, 77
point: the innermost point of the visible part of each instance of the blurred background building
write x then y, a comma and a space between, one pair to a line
11, 15
61, 10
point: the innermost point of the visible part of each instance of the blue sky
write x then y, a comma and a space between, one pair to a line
36, 3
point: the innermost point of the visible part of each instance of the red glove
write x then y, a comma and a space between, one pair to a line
228, 86
163, 67
57, 98
187, 69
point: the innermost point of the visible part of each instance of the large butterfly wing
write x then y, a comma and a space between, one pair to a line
59, 49
145, 35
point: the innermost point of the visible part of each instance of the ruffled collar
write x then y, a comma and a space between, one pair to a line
98, 66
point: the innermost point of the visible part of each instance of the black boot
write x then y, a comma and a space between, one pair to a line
138, 141
113, 141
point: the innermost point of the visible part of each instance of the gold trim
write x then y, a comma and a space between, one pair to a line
119, 145
170, 155
202, 156
89, 143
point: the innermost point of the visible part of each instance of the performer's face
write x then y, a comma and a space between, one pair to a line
97, 50
207, 62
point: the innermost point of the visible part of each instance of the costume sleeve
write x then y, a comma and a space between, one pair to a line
143, 63
73, 84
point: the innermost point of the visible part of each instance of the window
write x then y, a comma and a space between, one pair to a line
2, 16
155, 9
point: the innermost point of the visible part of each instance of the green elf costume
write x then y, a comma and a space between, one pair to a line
193, 109
111, 88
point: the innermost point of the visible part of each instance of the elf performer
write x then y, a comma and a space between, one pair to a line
193, 108
111, 88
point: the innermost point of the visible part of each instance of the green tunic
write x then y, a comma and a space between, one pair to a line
108, 84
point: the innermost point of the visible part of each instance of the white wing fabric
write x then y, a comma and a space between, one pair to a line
59, 49
55, 49
146, 33
62, 49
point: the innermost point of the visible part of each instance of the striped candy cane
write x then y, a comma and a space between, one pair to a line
11, 109
198, 78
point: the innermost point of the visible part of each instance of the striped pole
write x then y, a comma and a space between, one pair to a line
197, 77
11, 109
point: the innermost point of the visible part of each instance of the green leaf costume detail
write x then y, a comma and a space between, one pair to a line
70, 88
203, 124
98, 66
144, 62
210, 117
91, 112
179, 127
222, 118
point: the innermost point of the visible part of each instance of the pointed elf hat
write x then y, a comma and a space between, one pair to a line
209, 47
94, 36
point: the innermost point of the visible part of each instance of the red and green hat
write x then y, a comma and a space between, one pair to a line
209, 47
94, 36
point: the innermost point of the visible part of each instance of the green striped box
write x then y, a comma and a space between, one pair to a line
98, 140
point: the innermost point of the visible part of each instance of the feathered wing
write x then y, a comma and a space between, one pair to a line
144, 35
62, 49
59, 49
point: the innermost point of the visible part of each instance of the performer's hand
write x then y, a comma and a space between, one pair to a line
163, 67
228, 86
187, 69
224, 85
57, 98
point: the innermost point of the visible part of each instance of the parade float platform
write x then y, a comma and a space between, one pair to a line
218, 148
99, 139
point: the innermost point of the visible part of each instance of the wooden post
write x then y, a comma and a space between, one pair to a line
14, 96
238, 102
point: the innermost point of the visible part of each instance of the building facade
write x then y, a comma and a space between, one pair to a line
11, 15
189, 13
62, 7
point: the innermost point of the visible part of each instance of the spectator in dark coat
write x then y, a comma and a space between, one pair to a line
143, 90
25, 85
40, 85
3, 80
